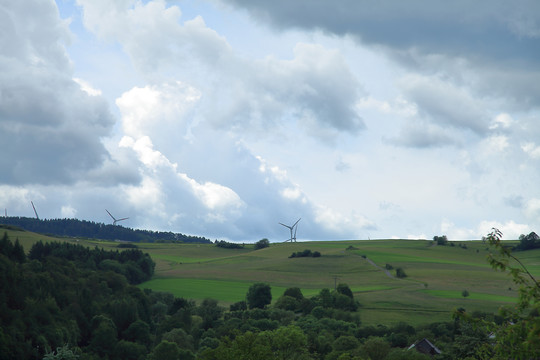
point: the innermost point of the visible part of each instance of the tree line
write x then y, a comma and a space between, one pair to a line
93, 230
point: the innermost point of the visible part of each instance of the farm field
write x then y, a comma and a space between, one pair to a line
436, 275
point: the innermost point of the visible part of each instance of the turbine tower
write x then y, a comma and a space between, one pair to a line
292, 228
115, 220
35, 212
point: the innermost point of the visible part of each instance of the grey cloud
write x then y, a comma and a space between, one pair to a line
49, 128
419, 134
446, 104
495, 44
489, 29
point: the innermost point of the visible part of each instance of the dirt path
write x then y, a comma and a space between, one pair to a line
422, 285
381, 268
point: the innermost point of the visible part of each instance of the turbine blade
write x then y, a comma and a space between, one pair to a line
110, 214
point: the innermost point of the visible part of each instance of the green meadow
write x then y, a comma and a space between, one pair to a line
432, 290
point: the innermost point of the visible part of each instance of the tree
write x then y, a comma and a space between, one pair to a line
518, 336
528, 242
465, 293
165, 350
62, 353
376, 348
440, 240
259, 295
261, 244
345, 290
400, 273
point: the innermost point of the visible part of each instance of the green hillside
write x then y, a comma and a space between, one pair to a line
436, 275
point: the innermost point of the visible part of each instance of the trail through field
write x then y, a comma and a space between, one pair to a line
388, 272
381, 268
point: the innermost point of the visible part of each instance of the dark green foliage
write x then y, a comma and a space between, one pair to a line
132, 263
345, 290
465, 293
93, 230
228, 245
389, 267
440, 240
294, 292
261, 244
528, 242
376, 348
259, 295
127, 246
400, 273
238, 306
210, 312
14, 251
166, 350
305, 253
61, 353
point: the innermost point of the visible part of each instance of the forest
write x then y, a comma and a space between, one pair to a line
93, 230
66, 301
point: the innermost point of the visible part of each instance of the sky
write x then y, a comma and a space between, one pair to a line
223, 118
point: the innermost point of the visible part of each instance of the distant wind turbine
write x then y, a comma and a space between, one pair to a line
115, 220
35, 212
292, 228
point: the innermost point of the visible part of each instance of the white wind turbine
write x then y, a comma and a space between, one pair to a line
292, 228
115, 220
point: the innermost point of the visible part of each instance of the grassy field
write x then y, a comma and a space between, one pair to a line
437, 275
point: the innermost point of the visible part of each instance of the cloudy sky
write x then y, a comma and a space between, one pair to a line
222, 118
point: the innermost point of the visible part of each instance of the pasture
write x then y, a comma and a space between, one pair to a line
436, 275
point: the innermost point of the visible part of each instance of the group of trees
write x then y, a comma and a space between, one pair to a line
135, 265
228, 245
528, 242
440, 240
305, 253
93, 230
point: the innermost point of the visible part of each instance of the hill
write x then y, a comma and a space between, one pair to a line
432, 290
436, 275
93, 230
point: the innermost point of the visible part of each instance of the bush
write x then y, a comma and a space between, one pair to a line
261, 244
400, 273
305, 253
440, 240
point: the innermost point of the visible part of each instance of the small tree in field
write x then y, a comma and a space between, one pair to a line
400, 273
261, 244
465, 293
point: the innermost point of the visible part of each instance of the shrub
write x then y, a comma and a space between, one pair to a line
261, 244
305, 253
400, 273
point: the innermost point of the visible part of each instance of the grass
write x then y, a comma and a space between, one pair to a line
432, 290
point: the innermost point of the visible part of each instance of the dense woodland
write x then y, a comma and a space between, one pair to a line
64, 301
93, 230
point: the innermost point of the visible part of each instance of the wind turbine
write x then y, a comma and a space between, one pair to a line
291, 228
35, 212
115, 220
